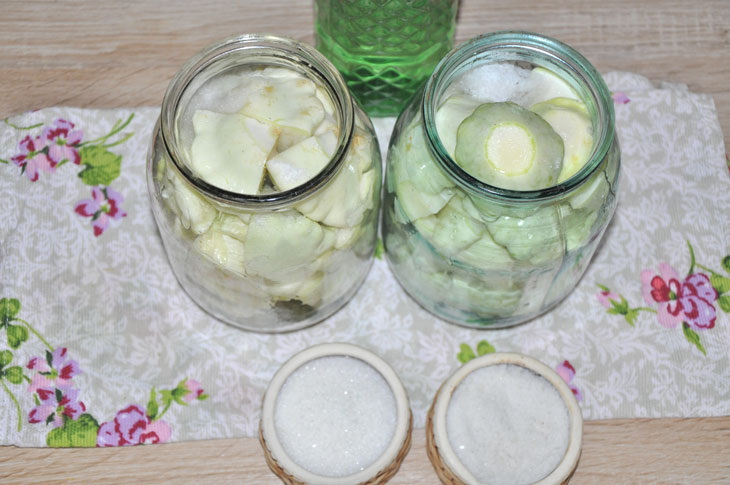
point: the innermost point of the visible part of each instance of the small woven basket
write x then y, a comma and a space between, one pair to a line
565, 470
443, 471
382, 469
381, 477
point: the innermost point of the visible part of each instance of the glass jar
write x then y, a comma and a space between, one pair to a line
279, 260
483, 256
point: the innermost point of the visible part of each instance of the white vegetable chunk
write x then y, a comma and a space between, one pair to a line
285, 102
544, 84
450, 115
230, 150
281, 242
224, 250
195, 212
303, 161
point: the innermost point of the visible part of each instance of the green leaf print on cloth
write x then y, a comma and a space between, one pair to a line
61, 143
57, 397
102, 166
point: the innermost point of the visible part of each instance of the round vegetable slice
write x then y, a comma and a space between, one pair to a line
544, 84
508, 146
570, 119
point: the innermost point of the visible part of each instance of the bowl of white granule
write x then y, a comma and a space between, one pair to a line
335, 414
504, 418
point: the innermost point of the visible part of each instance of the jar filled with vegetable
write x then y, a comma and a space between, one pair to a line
502, 178
265, 182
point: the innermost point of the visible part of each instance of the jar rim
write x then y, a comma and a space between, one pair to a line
543, 47
271, 47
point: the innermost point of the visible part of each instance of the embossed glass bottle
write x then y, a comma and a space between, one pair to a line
385, 48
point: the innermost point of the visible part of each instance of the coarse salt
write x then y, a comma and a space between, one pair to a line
335, 416
507, 425
503, 81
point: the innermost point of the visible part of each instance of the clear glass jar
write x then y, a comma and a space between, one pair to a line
279, 260
483, 256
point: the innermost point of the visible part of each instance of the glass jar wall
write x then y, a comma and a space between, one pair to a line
482, 255
282, 242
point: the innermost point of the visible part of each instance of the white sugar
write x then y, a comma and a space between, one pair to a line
335, 416
507, 425
495, 83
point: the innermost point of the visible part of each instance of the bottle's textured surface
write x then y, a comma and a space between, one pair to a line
385, 48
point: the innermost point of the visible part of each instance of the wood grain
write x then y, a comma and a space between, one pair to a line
107, 54
692, 451
111, 54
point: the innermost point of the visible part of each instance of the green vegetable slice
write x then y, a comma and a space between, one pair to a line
194, 211
420, 185
287, 102
222, 249
507, 146
450, 115
570, 119
535, 238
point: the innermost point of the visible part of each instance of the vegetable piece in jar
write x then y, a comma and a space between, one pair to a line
543, 84
507, 146
450, 115
290, 103
570, 119
422, 188
535, 238
299, 163
230, 150
281, 242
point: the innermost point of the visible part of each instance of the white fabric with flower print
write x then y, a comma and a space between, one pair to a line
99, 345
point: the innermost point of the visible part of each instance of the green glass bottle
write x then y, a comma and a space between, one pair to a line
385, 48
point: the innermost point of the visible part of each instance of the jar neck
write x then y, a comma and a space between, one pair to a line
255, 50
520, 47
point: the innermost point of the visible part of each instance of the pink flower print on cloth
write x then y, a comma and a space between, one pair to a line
32, 158
131, 426
620, 97
567, 372
690, 300
605, 298
662, 289
63, 142
194, 390
54, 404
58, 374
697, 297
104, 205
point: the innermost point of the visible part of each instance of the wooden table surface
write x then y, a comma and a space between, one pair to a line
107, 53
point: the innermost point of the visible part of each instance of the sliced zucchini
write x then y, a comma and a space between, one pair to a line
194, 211
284, 101
535, 238
570, 119
507, 146
281, 242
222, 249
300, 163
450, 115
544, 84
230, 150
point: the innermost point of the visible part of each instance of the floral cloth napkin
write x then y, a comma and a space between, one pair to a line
99, 345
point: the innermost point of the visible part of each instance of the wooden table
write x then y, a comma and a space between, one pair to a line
107, 53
